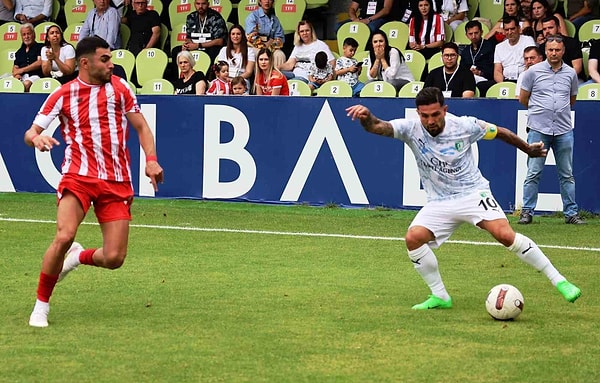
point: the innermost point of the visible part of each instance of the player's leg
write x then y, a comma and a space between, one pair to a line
430, 228
529, 252
115, 236
70, 213
535, 168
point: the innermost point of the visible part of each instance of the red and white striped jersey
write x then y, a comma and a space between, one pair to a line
94, 127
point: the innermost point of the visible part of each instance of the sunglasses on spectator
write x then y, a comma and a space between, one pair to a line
557, 38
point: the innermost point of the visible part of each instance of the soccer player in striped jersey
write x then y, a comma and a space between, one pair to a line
456, 190
94, 110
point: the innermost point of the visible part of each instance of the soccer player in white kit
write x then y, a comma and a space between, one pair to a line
456, 190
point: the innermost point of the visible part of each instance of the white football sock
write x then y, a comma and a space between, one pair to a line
426, 264
530, 253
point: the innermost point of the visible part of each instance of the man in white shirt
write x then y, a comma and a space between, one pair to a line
508, 56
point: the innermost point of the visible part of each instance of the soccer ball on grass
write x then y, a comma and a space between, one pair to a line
504, 302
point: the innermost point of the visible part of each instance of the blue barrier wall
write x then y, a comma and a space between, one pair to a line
297, 150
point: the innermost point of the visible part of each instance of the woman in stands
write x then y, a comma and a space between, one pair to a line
453, 12
306, 47
511, 8
58, 56
387, 63
269, 81
238, 55
190, 81
540, 9
426, 30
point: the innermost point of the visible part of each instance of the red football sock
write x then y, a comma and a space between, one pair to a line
46, 286
86, 257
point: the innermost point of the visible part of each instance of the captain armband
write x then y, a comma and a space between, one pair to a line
490, 131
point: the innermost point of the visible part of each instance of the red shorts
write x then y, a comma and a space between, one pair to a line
112, 200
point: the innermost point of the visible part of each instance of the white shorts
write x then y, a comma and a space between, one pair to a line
442, 218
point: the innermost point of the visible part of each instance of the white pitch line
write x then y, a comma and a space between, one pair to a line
298, 234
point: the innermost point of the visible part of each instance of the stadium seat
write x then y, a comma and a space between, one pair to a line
202, 61
411, 89
378, 89
155, 5
124, 58
571, 28
11, 85
125, 35
40, 31
586, 57
416, 62
224, 7
7, 61
491, 10
56, 7
312, 4
364, 58
178, 11
460, 34
76, 10
157, 86
246, 7
44, 85
473, 8
589, 30
178, 35
589, 92
289, 13
150, 64
397, 34
505, 89
335, 88
71, 33
448, 33
299, 88
10, 36
164, 35
358, 31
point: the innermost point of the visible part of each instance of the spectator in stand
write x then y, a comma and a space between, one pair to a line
206, 31
58, 56
239, 56
508, 57
265, 31
220, 84
189, 81
454, 12
548, 91
32, 11
28, 60
239, 86
374, 13
540, 10
402, 10
103, 21
531, 56
593, 62
580, 11
426, 30
144, 25
479, 56
572, 55
320, 71
511, 8
347, 68
387, 62
451, 79
269, 80
306, 46
7, 8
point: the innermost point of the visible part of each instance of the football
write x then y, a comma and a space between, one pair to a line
504, 302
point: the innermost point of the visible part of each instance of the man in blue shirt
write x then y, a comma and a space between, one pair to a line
264, 30
103, 21
548, 90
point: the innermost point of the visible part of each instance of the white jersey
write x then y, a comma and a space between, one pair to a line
446, 163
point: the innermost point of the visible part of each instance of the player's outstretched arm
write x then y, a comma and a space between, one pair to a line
370, 122
532, 150
153, 169
34, 138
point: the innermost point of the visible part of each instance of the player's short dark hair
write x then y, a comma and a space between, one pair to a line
88, 45
429, 95
351, 42
321, 60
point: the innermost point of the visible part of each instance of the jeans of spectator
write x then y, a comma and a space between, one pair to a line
290, 75
357, 88
373, 25
562, 147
